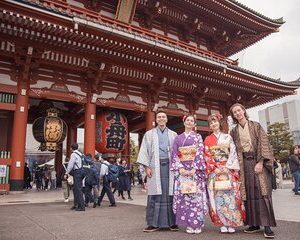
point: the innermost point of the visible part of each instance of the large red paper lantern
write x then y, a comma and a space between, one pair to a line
50, 131
111, 132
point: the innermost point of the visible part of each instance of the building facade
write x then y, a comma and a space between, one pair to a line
288, 113
129, 58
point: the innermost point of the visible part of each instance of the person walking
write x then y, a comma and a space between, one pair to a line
188, 165
226, 206
27, 177
47, 176
116, 185
124, 180
75, 168
39, 178
106, 189
154, 156
64, 181
96, 188
256, 158
294, 163
91, 183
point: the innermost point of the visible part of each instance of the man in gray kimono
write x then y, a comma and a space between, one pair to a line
154, 155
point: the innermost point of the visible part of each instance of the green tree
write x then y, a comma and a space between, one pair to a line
280, 139
134, 150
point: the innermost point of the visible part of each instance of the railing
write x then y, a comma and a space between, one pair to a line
63, 6
7, 98
7, 101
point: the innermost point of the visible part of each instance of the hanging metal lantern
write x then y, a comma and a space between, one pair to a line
50, 130
111, 132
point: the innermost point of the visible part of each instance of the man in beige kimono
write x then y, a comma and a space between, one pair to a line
256, 162
154, 155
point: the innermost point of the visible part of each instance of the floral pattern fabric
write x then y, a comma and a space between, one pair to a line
189, 209
225, 206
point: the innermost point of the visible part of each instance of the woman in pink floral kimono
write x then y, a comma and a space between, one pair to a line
188, 164
226, 209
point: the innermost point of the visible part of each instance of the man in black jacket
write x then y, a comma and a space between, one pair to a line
27, 177
294, 163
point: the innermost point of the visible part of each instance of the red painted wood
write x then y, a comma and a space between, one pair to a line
71, 138
5, 161
8, 106
19, 133
150, 120
90, 128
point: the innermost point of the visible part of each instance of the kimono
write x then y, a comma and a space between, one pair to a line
256, 189
189, 209
160, 186
226, 208
149, 156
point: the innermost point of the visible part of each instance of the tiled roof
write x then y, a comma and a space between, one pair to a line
295, 83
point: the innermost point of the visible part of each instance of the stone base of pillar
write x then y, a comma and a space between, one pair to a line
16, 185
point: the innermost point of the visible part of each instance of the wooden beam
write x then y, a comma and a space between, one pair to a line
137, 127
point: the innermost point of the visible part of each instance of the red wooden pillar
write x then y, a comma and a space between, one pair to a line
150, 120
90, 127
19, 137
71, 138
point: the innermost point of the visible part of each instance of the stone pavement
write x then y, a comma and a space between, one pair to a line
43, 216
286, 204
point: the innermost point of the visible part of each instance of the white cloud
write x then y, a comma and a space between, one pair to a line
278, 55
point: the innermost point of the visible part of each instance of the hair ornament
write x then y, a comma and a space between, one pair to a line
219, 116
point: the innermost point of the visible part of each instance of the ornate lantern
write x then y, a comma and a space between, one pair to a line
50, 130
111, 132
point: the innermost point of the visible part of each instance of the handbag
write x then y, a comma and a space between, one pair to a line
222, 183
70, 180
188, 185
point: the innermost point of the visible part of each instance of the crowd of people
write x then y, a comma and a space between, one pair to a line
44, 178
89, 174
226, 175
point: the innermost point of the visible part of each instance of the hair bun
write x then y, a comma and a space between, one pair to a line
219, 116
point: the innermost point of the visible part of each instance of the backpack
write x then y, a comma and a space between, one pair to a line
86, 162
113, 173
92, 177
